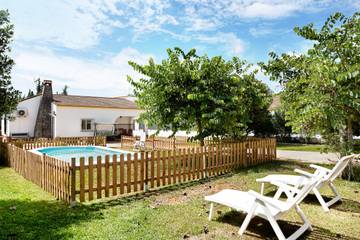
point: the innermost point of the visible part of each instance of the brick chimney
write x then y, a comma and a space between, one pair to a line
43, 125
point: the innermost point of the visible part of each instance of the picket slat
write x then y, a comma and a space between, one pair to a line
122, 177
82, 180
114, 175
135, 172
98, 177
107, 175
128, 172
91, 178
158, 159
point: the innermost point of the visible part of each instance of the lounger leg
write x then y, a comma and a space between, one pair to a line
262, 188
247, 219
303, 228
321, 199
211, 211
274, 225
303, 217
337, 195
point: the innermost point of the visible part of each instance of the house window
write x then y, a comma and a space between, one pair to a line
87, 124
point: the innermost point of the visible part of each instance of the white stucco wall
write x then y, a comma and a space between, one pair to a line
68, 119
25, 124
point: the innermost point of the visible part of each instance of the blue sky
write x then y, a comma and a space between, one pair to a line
87, 44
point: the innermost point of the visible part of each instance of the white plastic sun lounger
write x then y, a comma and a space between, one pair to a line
271, 209
141, 143
297, 181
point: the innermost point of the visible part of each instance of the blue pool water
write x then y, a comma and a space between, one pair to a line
67, 153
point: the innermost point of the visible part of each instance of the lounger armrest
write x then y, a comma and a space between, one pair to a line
263, 199
285, 187
320, 168
304, 173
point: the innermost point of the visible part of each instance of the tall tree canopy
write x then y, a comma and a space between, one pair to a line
322, 87
9, 97
188, 92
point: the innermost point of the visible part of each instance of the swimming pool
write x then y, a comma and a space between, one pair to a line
67, 153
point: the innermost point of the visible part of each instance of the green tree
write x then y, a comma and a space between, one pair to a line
260, 98
281, 128
9, 97
322, 87
65, 90
38, 86
30, 94
188, 92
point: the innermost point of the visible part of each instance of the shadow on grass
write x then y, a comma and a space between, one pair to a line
345, 205
40, 219
261, 228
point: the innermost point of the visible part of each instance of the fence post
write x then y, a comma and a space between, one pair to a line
204, 152
246, 145
274, 148
146, 185
43, 170
73, 179
153, 143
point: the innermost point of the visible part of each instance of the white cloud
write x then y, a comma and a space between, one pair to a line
250, 9
195, 22
355, 3
229, 42
259, 32
81, 24
265, 9
103, 77
71, 24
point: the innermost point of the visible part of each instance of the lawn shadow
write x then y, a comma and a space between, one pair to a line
27, 219
261, 228
345, 205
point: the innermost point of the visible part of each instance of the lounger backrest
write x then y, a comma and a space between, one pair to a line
305, 190
339, 167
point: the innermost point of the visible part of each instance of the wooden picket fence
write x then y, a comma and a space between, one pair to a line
96, 177
101, 177
51, 174
29, 144
159, 143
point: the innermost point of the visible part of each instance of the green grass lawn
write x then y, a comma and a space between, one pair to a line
27, 212
306, 147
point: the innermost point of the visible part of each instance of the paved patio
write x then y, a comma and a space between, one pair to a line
313, 157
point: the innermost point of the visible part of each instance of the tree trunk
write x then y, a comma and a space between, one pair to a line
202, 144
347, 146
199, 129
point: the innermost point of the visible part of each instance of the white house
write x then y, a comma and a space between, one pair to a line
52, 115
